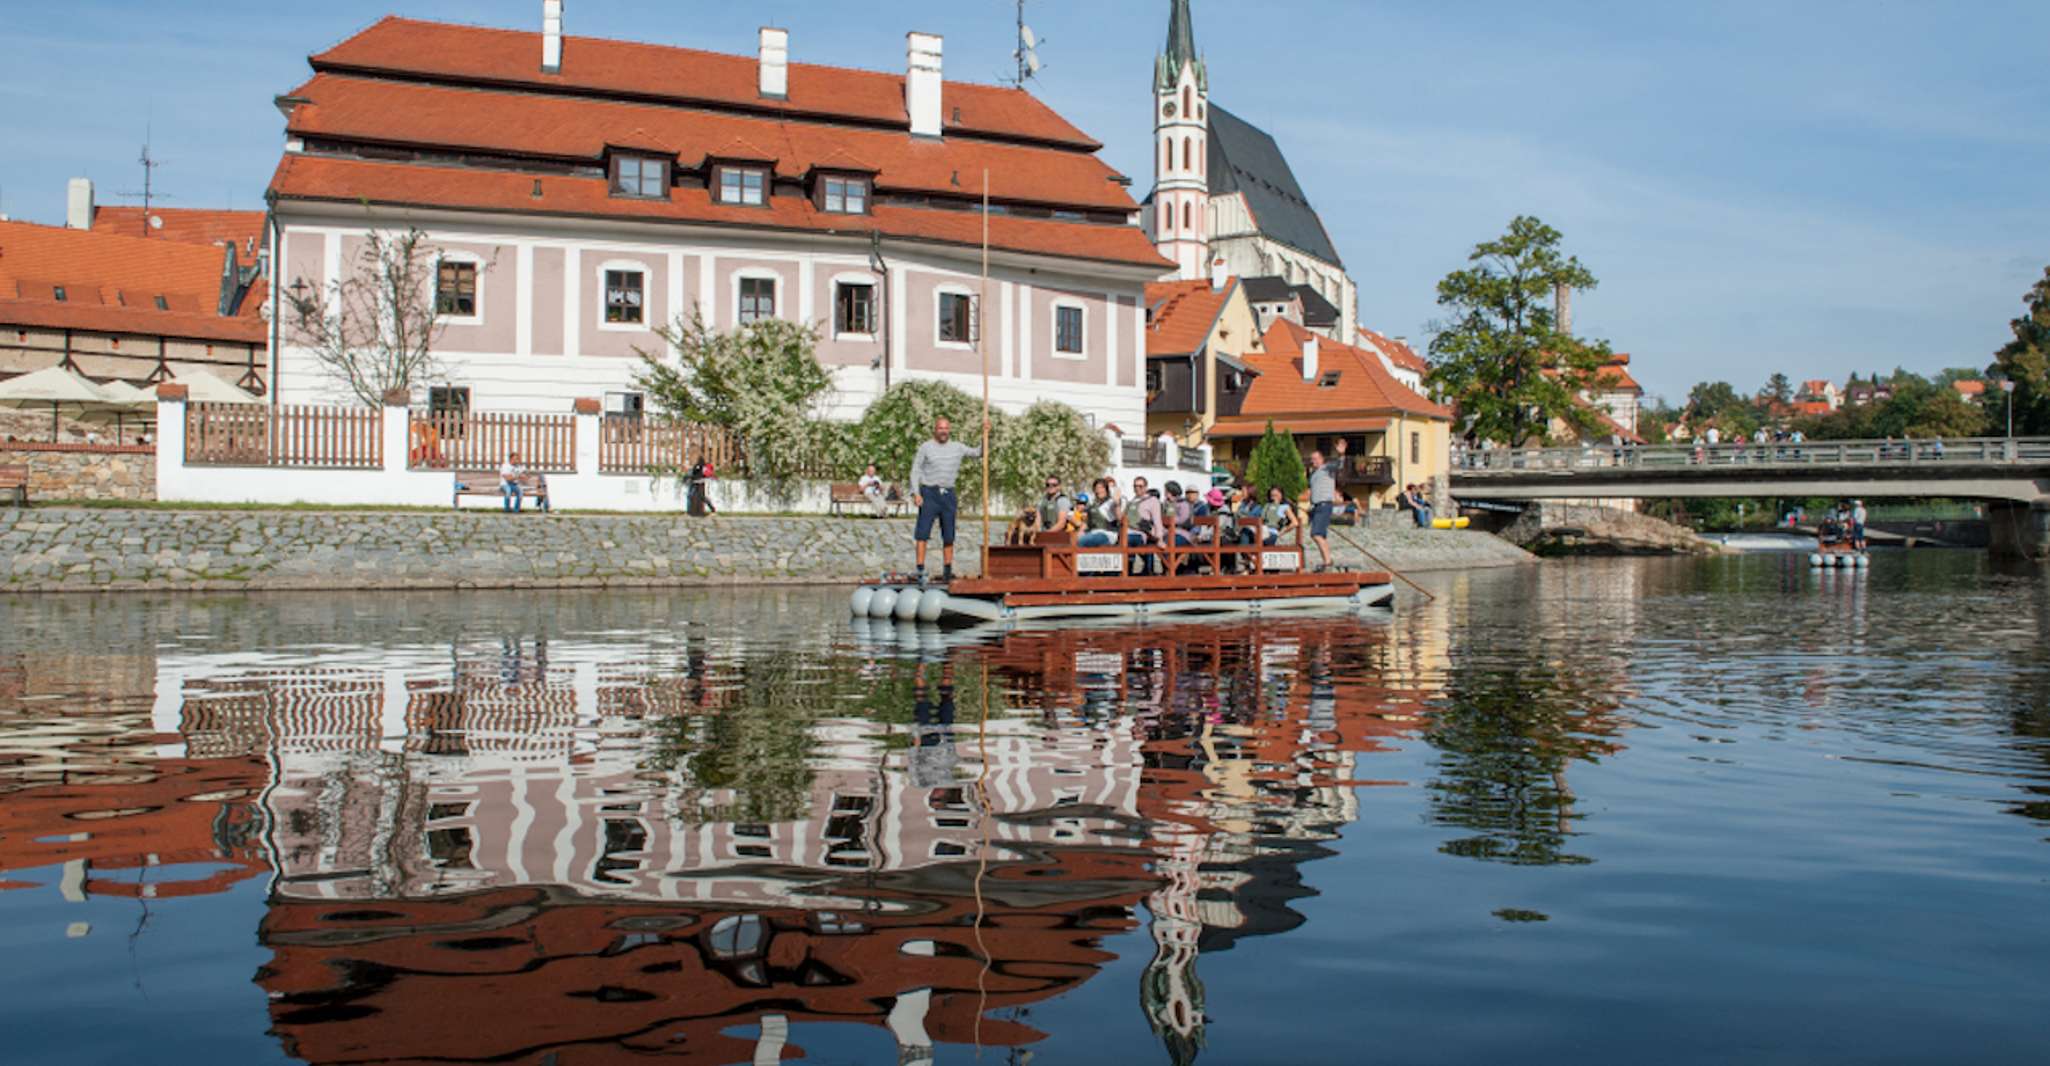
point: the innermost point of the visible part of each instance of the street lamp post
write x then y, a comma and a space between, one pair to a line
2007, 386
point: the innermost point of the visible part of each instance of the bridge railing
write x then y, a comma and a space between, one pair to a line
1783, 455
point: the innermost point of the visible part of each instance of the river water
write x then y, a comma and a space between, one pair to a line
1617, 811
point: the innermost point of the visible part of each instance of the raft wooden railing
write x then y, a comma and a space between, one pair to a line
289, 435
640, 446
475, 440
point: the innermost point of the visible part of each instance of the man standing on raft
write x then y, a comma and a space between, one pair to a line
933, 472
1323, 495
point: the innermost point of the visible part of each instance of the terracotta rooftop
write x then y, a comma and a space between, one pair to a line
593, 66
1398, 352
349, 181
432, 114
111, 283
579, 129
1182, 314
185, 225
1362, 386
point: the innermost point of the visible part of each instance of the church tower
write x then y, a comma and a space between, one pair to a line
1181, 149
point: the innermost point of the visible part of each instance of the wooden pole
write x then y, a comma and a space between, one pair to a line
1371, 557
982, 356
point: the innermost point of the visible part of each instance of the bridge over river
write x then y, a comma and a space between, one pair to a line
2012, 475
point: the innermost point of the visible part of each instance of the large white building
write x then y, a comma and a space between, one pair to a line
583, 193
1223, 190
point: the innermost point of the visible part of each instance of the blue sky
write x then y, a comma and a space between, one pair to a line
1812, 188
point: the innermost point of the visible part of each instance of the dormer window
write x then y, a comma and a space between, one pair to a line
639, 176
1329, 380
163, 304
57, 293
747, 186
844, 196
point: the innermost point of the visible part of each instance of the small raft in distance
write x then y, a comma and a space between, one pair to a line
1055, 578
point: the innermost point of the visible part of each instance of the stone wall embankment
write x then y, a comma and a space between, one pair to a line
68, 549
84, 471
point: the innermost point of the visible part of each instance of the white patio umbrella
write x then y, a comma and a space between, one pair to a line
206, 388
56, 386
121, 402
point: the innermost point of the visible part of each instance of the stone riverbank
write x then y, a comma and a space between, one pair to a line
83, 550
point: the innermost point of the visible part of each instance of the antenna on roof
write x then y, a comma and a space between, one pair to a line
1027, 54
148, 193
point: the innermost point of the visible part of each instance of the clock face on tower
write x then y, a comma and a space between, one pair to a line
1168, 109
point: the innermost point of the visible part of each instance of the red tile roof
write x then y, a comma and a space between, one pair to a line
1398, 352
1969, 388
111, 283
1615, 378
621, 69
244, 229
476, 124
1256, 426
100, 318
349, 181
1182, 315
1364, 386
578, 129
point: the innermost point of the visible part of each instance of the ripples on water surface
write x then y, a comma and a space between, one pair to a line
1612, 812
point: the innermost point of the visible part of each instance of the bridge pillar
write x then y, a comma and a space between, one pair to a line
2020, 530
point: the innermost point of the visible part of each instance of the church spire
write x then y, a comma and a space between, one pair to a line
1181, 36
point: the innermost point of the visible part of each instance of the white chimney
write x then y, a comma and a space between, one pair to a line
1217, 274
922, 83
551, 36
1562, 316
775, 63
78, 204
1310, 358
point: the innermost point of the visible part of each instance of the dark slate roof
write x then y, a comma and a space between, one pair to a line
1243, 158
1271, 289
1317, 311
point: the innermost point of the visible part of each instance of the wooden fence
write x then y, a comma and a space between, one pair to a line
475, 440
241, 434
642, 446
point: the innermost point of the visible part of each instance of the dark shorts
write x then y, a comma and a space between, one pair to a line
1320, 519
939, 506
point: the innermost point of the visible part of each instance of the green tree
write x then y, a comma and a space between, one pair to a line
1718, 404
763, 381
901, 419
2025, 360
1277, 464
1050, 438
1778, 389
1501, 358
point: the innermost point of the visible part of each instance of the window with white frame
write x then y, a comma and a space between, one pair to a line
757, 299
854, 308
1067, 329
625, 297
455, 289
845, 196
956, 318
743, 185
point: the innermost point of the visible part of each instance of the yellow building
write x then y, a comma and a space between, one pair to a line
1320, 391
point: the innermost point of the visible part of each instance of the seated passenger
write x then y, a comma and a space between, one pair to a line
1279, 514
1102, 520
1144, 523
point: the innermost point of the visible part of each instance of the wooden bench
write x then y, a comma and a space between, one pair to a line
14, 481
486, 483
849, 494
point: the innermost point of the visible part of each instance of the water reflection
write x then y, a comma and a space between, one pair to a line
752, 833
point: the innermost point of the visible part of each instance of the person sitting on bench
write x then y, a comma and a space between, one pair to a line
509, 474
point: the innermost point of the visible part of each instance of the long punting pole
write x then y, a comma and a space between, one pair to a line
982, 356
